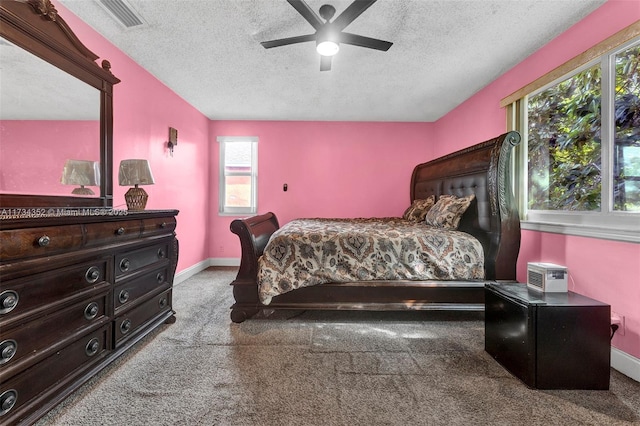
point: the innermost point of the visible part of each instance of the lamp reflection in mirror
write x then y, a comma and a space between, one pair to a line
135, 172
83, 173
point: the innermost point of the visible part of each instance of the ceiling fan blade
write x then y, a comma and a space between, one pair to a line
354, 10
371, 43
288, 40
325, 63
306, 12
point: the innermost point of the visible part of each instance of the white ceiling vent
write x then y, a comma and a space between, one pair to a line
123, 12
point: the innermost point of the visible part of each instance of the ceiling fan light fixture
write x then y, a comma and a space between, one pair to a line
327, 48
329, 34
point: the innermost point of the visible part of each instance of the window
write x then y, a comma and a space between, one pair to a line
626, 149
564, 145
238, 174
579, 161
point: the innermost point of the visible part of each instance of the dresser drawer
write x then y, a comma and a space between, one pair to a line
130, 293
61, 316
32, 242
26, 344
162, 225
131, 261
45, 379
46, 291
137, 319
112, 232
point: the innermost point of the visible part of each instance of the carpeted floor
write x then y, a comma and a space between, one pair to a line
323, 368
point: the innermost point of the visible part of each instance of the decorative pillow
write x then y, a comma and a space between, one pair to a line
419, 208
448, 211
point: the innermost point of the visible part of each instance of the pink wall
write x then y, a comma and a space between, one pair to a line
342, 169
332, 169
605, 270
53, 142
144, 109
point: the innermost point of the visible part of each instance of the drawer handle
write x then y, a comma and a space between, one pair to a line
162, 302
7, 400
120, 231
163, 225
7, 350
125, 326
44, 241
91, 311
161, 253
160, 277
8, 301
123, 296
92, 348
92, 275
125, 264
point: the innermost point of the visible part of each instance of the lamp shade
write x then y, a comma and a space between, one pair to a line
135, 172
81, 172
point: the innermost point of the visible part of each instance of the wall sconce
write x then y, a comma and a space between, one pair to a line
135, 172
81, 172
173, 139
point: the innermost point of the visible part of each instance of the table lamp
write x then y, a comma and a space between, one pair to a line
135, 172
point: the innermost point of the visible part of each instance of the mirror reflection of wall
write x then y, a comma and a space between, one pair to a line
46, 117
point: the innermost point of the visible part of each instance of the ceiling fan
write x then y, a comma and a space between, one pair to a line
330, 34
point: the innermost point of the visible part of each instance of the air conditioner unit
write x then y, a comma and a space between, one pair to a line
547, 277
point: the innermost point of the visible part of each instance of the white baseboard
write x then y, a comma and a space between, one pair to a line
185, 274
225, 261
625, 363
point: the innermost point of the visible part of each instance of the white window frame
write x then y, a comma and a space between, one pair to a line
224, 210
607, 223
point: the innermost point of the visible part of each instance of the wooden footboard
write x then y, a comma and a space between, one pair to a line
254, 234
482, 169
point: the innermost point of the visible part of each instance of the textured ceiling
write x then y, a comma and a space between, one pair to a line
32, 89
209, 52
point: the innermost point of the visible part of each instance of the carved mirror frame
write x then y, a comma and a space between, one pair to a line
35, 26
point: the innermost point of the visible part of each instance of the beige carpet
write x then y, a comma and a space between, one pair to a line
324, 368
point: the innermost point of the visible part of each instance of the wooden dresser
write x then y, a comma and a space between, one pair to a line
77, 289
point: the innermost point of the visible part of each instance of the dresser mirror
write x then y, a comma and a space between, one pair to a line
56, 113
47, 115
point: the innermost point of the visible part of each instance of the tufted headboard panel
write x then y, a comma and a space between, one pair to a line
483, 170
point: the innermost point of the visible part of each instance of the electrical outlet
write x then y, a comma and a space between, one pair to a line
619, 321
221, 249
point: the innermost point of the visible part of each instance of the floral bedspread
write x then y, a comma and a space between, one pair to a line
307, 252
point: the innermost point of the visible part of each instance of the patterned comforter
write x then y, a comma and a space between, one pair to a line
306, 252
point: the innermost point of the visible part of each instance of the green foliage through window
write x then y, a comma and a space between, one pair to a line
626, 178
565, 147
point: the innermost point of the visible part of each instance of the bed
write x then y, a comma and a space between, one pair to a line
479, 173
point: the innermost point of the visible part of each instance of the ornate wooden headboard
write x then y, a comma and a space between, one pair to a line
484, 170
